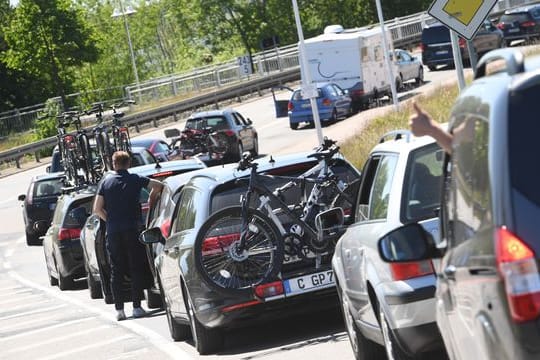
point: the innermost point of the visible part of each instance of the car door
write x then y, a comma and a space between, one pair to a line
468, 277
359, 244
245, 130
182, 226
343, 102
405, 65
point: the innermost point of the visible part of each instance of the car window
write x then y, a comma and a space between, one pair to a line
147, 156
535, 12
422, 187
136, 160
297, 95
338, 90
217, 122
186, 210
237, 120
78, 212
49, 187
517, 17
241, 118
380, 192
405, 56
162, 147
436, 34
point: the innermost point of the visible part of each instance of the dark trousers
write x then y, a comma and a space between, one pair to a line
126, 253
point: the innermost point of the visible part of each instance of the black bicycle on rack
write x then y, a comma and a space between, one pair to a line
240, 247
120, 133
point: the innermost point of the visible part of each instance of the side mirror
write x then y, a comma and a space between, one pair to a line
249, 122
21, 197
151, 236
329, 219
408, 243
169, 133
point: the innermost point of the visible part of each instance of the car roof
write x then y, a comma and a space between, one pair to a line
219, 112
138, 149
405, 142
173, 165
227, 172
521, 9
145, 141
49, 176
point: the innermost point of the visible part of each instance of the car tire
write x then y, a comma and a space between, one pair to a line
94, 286
293, 126
362, 347
52, 280
153, 300
32, 240
399, 83
255, 150
393, 350
432, 67
420, 79
206, 341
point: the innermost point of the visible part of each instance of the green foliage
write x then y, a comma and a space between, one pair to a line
46, 124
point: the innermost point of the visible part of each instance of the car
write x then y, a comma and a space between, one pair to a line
61, 244
158, 147
437, 48
522, 23
409, 68
93, 234
39, 203
141, 156
240, 134
333, 103
488, 281
391, 307
192, 306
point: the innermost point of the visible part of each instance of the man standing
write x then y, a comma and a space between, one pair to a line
117, 203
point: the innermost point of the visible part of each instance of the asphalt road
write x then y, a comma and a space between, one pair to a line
38, 321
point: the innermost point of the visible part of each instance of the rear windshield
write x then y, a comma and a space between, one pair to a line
50, 187
215, 122
436, 34
517, 17
523, 131
297, 95
78, 212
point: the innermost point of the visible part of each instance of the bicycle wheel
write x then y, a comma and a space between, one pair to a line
104, 150
347, 200
86, 157
218, 143
125, 143
218, 260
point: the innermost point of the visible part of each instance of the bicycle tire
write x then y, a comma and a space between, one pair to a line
104, 150
219, 144
125, 143
235, 274
71, 167
86, 155
349, 207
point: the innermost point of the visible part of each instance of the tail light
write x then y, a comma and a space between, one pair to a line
327, 102
69, 234
269, 290
517, 266
145, 207
500, 26
124, 129
166, 227
527, 24
290, 106
409, 270
218, 244
423, 47
229, 132
357, 93
162, 174
70, 141
462, 42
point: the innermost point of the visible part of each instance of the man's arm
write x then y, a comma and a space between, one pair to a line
155, 187
99, 207
422, 124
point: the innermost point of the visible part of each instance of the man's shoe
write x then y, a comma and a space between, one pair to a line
120, 315
139, 312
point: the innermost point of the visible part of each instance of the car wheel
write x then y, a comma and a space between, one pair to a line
420, 78
179, 332
93, 286
255, 150
206, 340
393, 350
32, 240
432, 67
363, 348
153, 300
293, 126
399, 83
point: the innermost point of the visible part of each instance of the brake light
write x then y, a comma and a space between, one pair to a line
527, 24
123, 129
217, 244
228, 132
409, 270
70, 141
290, 106
165, 227
357, 93
162, 174
462, 42
327, 102
145, 207
517, 265
269, 290
69, 234
500, 26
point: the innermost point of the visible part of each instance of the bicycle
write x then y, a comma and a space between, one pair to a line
242, 246
120, 133
205, 141
101, 136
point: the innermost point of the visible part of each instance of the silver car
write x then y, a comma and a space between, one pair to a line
391, 307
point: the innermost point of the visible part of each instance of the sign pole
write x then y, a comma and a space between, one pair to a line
306, 78
458, 63
387, 56
473, 56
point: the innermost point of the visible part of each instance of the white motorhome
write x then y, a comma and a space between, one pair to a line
353, 59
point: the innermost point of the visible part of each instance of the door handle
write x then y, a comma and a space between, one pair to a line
450, 272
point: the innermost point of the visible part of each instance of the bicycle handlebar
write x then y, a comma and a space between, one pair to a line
246, 161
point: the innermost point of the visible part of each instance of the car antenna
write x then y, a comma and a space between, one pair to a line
272, 161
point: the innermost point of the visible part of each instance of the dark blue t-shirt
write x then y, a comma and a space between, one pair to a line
121, 193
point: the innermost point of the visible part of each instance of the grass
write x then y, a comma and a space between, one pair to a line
438, 104
17, 140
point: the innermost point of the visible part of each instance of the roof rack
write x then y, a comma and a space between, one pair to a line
513, 62
396, 135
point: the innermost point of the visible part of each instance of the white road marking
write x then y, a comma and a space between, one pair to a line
37, 311
7, 201
32, 321
161, 343
48, 328
7, 265
33, 345
21, 299
127, 355
7, 291
87, 347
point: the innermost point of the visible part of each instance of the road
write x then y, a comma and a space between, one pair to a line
38, 321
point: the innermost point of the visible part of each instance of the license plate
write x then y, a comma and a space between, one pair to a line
305, 106
514, 30
441, 52
307, 283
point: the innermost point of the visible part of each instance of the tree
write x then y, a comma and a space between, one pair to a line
48, 38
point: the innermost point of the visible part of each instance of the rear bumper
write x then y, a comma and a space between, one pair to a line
324, 115
71, 260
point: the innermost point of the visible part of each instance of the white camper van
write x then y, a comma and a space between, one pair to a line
352, 59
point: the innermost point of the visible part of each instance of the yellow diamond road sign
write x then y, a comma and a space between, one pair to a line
462, 16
